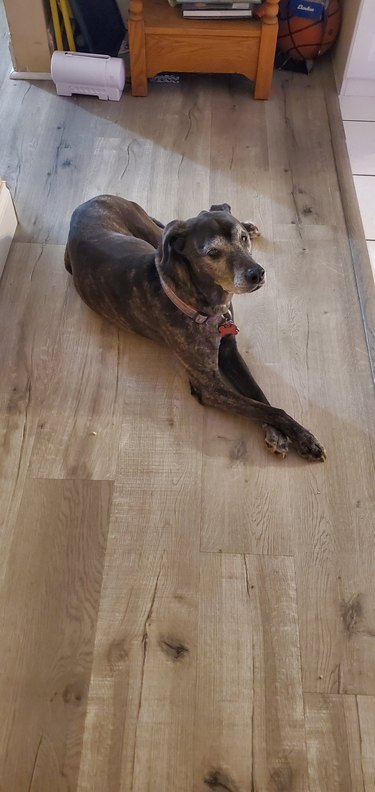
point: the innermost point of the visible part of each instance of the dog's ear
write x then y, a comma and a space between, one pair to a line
173, 240
252, 229
221, 208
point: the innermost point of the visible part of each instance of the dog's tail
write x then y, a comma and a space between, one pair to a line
67, 262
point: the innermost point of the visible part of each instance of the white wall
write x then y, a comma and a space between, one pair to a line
359, 75
341, 51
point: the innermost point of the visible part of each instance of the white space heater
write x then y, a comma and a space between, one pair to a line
92, 75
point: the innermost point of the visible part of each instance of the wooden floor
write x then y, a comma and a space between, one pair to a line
180, 611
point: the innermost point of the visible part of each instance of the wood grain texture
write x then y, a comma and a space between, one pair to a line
196, 686
207, 54
250, 719
53, 584
132, 149
334, 744
140, 718
145, 666
31, 302
331, 509
189, 678
366, 714
82, 407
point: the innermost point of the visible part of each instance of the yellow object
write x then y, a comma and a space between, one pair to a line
66, 15
56, 24
67, 24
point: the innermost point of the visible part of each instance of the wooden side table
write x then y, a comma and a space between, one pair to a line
161, 40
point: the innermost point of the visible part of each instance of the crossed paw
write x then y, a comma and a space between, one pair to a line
307, 446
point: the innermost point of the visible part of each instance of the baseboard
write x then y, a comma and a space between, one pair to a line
358, 246
18, 75
8, 223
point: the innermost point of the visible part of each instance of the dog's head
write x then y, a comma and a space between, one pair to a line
212, 247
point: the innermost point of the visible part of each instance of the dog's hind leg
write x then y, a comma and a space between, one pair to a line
67, 262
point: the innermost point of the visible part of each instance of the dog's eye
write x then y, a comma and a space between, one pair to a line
213, 253
244, 238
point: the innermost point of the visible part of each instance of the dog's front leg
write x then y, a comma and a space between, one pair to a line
234, 368
216, 391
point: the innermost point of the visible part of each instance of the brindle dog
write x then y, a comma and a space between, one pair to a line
175, 285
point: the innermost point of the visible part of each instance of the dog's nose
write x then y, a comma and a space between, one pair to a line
255, 275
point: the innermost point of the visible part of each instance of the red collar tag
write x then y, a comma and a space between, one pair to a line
228, 328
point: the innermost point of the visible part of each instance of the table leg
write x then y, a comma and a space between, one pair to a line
137, 47
267, 49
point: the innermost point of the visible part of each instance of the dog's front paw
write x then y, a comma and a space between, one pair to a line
252, 229
308, 447
276, 441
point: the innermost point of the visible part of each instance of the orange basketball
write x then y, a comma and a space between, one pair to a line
306, 39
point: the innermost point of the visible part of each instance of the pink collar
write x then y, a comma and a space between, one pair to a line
226, 325
188, 310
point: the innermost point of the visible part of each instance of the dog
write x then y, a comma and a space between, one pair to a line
175, 285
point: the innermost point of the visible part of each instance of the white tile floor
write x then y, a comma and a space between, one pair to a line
358, 108
358, 113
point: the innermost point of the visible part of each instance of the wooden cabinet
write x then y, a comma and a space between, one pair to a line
161, 40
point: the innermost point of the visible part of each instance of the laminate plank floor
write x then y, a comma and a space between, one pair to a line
179, 610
